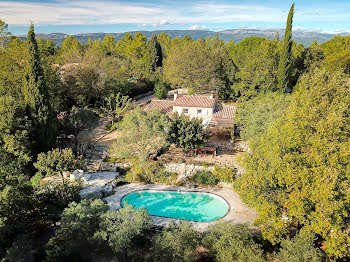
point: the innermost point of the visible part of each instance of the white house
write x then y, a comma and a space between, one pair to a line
206, 107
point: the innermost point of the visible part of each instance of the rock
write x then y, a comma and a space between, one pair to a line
98, 185
86, 177
107, 190
91, 192
77, 174
181, 179
66, 174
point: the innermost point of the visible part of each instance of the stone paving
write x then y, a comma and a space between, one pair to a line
238, 213
98, 185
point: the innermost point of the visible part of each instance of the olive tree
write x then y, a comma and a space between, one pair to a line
57, 161
121, 227
143, 135
176, 243
185, 132
229, 242
116, 105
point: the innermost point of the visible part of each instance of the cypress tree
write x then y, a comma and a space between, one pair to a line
155, 53
284, 66
36, 98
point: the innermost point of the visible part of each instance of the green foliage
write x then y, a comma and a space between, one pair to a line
257, 62
299, 169
149, 172
52, 199
229, 242
256, 115
81, 118
4, 33
155, 53
205, 178
134, 52
185, 132
116, 106
57, 161
224, 174
79, 223
299, 249
193, 65
20, 251
18, 212
143, 134
161, 90
71, 51
81, 85
284, 66
122, 228
36, 99
176, 243
337, 54
14, 140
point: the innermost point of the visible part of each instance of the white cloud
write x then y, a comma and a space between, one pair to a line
66, 12
142, 25
198, 27
161, 23
99, 12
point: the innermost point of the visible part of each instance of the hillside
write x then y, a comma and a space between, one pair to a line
300, 36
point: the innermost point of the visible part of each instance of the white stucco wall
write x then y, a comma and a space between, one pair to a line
206, 115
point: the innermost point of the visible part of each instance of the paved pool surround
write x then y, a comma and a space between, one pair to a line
238, 212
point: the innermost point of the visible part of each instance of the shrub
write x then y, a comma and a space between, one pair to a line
51, 199
122, 228
149, 172
225, 174
185, 132
204, 178
229, 242
299, 249
176, 243
75, 237
161, 90
81, 118
57, 161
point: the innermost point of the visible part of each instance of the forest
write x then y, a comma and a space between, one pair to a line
293, 111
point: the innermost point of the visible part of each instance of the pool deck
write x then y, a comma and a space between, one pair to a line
238, 212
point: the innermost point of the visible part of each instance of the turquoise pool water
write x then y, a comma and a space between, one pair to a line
194, 206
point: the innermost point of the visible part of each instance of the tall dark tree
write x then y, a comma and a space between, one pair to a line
36, 97
155, 53
285, 62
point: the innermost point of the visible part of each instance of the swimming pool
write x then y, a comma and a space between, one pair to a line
193, 206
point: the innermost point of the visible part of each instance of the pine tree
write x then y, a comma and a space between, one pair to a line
4, 33
284, 66
36, 98
155, 53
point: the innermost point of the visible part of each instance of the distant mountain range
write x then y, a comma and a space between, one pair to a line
304, 37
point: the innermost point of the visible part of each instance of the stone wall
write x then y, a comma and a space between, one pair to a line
241, 146
223, 146
186, 170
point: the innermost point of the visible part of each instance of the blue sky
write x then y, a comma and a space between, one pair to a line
90, 16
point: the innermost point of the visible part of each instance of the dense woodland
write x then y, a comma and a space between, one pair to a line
293, 110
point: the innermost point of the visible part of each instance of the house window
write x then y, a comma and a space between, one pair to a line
185, 111
199, 111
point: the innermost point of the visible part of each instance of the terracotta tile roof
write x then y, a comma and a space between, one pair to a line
224, 111
164, 105
195, 101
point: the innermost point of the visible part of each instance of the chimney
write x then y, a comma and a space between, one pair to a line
211, 96
175, 95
